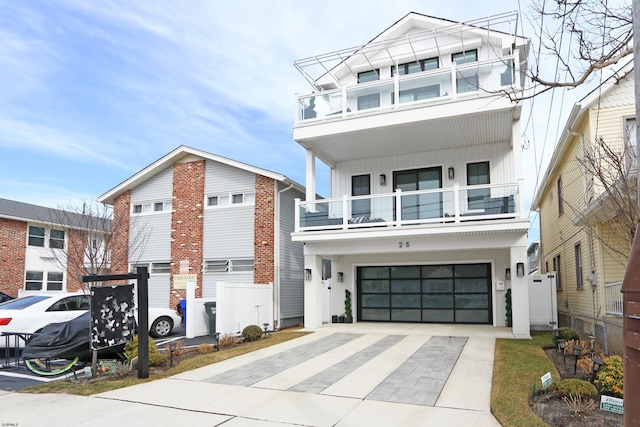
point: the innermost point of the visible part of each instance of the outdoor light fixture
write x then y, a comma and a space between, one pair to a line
451, 173
340, 276
520, 269
307, 274
561, 347
507, 274
597, 364
217, 338
172, 348
266, 329
383, 179
576, 351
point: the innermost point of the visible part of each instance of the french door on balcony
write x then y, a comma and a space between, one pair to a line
420, 206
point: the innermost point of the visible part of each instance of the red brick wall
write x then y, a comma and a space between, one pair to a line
187, 222
13, 243
263, 228
120, 234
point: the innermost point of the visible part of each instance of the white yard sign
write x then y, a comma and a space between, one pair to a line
546, 380
611, 404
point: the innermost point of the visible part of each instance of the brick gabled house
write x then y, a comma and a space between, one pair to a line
221, 219
34, 245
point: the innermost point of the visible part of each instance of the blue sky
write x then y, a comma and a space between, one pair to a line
92, 91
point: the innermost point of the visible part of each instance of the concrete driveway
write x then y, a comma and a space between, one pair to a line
341, 375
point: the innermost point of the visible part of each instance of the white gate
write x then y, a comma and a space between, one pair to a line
326, 301
543, 302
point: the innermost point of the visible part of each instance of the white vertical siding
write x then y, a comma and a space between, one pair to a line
499, 155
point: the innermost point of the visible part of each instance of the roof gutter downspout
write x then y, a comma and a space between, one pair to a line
276, 255
592, 277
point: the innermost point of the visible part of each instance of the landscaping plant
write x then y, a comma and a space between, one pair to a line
610, 377
155, 357
252, 333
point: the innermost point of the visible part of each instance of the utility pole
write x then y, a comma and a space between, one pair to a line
631, 284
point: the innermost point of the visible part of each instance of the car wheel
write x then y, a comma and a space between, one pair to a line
161, 327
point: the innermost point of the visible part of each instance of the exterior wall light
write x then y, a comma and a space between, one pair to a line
383, 179
520, 269
451, 173
307, 274
507, 274
340, 276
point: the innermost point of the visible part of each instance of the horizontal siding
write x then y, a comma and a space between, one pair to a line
155, 230
157, 189
499, 155
159, 290
291, 260
228, 232
221, 178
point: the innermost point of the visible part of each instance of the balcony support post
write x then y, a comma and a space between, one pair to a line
311, 176
296, 215
398, 219
456, 202
345, 211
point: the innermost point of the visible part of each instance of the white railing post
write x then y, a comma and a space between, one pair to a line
345, 101
345, 212
456, 202
516, 69
398, 220
296, 223
521, 197
454, 83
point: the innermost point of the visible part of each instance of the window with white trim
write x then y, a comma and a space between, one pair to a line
229, 265
229, 199
55, 280
151, 207
160, 267
36, 236
56, 239
33, 280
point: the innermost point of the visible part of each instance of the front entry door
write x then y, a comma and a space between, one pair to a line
420, 206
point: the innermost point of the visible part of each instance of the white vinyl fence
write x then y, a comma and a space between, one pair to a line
241, 305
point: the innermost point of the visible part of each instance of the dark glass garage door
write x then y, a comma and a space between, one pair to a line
454, 293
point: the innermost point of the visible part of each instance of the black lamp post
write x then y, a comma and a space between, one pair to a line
172, 348
597, 364
216, 336
576, 350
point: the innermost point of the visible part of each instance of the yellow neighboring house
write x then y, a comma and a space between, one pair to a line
586, 203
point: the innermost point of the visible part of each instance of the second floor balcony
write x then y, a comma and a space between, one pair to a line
412, 90
477, 204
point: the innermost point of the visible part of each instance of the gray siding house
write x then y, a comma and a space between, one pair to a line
217, 218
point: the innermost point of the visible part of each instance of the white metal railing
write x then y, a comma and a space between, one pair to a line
613, 297
417, 88
442, 205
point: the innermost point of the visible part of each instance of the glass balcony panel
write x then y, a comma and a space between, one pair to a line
372, 95
318, 106
321, 214
484, 200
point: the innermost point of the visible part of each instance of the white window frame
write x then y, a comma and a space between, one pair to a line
50, 280
224, 266
160, 268
234, 198
43, 237
151, 208
33, 281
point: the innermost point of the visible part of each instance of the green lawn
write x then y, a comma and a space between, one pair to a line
518, 365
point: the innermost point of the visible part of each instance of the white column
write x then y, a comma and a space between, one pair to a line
313, 292
190, 331
311, 176
520, 291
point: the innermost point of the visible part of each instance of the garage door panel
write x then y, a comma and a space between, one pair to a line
456, 293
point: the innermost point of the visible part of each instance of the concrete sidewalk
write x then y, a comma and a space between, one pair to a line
341, 375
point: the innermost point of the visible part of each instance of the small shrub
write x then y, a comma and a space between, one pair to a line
155, 357
565, 334
610, 377
204, 348
227, 340
121, 369
568, 348
252, 333
575, 387
579, 405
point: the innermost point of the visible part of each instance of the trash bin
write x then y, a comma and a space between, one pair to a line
183, 312
210, 308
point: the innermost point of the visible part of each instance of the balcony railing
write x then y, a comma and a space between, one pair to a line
410, 89
443, 205
613, 298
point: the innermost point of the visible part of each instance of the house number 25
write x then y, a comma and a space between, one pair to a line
403, 244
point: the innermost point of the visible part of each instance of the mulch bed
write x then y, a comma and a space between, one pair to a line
550, 407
